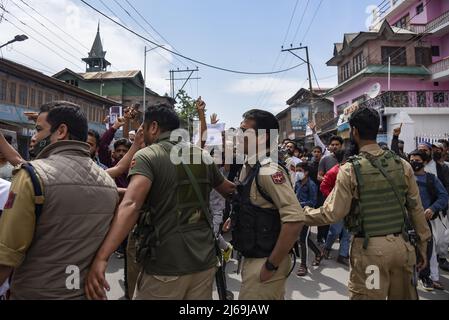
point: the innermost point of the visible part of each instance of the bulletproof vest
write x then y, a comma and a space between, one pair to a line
188, 245
378, 211
255, 230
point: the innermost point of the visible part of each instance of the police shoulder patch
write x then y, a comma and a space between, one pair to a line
278, 178
10, 202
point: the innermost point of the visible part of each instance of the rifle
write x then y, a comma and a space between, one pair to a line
220, 276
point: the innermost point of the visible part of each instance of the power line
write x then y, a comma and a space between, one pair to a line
43, 25
155, 30
36, 61
54, 24
43, 44
143, 28
183, 56
300, 21
311, 22
43, 36
262, 94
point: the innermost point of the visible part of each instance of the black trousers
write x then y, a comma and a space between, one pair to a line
305, 242
322, 233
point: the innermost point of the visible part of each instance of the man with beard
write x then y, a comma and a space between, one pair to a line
93, 139
377, 196
174, 234
58, 207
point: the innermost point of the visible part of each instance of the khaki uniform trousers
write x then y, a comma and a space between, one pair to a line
132, 267
385, 270
253, 289
196, 286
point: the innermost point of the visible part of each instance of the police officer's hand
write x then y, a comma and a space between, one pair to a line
429, 214
421, 263
265, 275
96, 284
227, 225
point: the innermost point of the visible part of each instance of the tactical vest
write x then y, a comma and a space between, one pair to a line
255, 230
380, 209
179, 241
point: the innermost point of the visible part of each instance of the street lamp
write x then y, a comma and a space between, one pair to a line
145, 77
16, 39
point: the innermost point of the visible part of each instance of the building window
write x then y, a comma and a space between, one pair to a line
420, 9
438, 97
12, 92
403, 23
40, 99
398, 56
23, 95
3, 90
423, 56
435, 51
48, 97
33, 98
358, 62
345, 72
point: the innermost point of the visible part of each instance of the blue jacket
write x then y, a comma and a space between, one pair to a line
307, 193
442, 196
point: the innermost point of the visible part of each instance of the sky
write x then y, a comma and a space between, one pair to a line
243, 35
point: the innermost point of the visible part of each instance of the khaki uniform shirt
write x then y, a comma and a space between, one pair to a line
338, 204
276, 183
18, 220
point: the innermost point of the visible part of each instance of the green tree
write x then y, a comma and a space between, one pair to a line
186, 110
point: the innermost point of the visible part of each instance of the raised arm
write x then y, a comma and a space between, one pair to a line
317, 140
10, 154
201, 108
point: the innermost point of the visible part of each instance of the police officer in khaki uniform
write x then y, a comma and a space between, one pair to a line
167, 197
62, 176
377, 195
268, 216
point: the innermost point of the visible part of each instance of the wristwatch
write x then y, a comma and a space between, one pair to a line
270, 267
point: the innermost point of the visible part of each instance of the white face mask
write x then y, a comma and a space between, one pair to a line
299, 176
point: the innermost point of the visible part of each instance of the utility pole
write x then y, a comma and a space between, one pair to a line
186, 79
145, 76
307, 61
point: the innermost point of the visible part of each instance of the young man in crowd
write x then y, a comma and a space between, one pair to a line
306, 192
121, 147
434, 198
93, 139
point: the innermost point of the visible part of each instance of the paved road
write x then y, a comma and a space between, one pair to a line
327, 282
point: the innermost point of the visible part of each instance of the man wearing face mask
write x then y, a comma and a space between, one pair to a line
377, 196
434, 198
58, 210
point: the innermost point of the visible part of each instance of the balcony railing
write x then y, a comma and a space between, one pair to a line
432, 25
409, 99
440, 66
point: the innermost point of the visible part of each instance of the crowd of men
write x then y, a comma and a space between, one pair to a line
83, 197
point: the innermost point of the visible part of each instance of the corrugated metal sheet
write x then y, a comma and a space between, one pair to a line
109, 75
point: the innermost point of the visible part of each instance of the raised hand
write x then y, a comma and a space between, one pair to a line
312, 125
214, 119
200, 105
397, 131
119, 123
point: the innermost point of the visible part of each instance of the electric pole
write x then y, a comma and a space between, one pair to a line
307, 61
187, 79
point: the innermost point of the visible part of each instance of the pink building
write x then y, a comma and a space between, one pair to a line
401, 68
